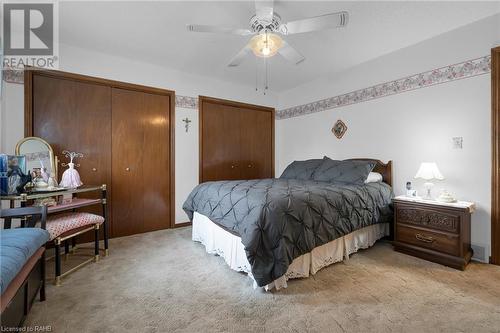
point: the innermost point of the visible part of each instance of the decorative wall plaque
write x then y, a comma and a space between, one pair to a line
339, 129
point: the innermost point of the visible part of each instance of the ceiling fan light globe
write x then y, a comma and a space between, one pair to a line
266, 45
265, 54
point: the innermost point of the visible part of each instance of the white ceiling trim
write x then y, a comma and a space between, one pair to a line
463, 70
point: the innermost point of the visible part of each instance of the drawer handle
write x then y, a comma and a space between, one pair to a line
424, 239
94, 169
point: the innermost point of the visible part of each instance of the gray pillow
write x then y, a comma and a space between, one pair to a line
303, 170
344, 172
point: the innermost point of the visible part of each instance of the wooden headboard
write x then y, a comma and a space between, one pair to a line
385, 169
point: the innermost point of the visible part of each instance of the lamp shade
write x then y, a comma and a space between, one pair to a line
428, 171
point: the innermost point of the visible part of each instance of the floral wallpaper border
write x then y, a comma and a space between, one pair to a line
13, 76
445, 74
186, 102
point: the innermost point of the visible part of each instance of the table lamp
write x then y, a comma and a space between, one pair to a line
428, 171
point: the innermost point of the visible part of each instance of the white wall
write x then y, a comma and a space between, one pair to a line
410, 127
186, 159
76, 60
12, 117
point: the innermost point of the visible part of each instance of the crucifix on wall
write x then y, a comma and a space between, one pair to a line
186, 121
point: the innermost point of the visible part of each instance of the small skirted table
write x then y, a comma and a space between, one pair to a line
66, 226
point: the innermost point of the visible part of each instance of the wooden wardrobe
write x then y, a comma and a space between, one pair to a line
236, 140
125, 133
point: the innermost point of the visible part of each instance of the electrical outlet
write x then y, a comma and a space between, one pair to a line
480, 252
457, 142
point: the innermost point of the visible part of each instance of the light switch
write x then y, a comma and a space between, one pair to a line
457, 142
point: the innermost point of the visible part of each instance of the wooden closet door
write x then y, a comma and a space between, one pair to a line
256, 144
75, 116
220, 142
156, 162
127, 161
236, 140
54, 117
92, 107
93, 118
123, 130
141, 161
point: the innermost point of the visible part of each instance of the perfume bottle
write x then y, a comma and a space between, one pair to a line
52, 181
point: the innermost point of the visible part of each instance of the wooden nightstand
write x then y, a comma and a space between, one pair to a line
435, 231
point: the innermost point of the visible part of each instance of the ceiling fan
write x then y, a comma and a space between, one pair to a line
267, 28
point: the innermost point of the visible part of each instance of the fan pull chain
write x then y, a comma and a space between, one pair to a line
267, 75
256, 74
265, 65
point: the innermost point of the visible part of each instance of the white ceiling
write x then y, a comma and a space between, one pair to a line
155, 32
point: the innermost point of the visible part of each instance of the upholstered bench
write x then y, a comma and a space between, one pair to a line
68, 225
60, 225
22, 270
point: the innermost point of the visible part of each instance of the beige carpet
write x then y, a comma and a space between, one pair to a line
164, 282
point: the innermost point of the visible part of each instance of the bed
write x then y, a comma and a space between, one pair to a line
317, 213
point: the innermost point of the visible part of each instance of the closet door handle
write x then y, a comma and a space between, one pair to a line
249, 165
127, 169
94, 169
232, 166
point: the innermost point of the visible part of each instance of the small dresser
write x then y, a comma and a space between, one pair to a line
435, 231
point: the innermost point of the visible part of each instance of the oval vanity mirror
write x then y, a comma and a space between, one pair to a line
39, 155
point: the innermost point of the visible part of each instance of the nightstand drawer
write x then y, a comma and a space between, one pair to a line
445, 243
428, 218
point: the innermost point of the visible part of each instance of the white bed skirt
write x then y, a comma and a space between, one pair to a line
228, 246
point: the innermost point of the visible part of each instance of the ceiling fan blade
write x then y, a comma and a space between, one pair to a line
218, 29
264, 10
240, 56
291, 54
328, 21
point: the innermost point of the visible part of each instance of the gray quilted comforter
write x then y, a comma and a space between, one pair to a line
278, 220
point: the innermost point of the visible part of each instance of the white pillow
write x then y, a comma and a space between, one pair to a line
373, 177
